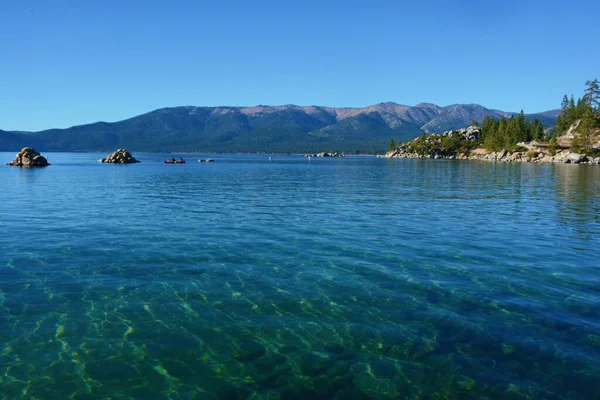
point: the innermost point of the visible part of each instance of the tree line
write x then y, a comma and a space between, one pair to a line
585, 112
507, 133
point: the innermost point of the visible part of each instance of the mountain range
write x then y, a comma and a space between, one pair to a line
273, 129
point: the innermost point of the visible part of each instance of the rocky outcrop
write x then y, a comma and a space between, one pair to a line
443, 146
438, 145
571, 132
566, 139
120, 156
325, 154
29, 157
541, 156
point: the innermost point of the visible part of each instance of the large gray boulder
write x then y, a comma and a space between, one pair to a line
575, 158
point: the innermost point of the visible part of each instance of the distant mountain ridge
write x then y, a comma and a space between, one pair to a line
278, 129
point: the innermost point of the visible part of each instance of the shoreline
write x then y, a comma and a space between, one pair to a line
564, 156
464, 144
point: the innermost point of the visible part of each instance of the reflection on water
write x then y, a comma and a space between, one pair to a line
333, 279
578, 194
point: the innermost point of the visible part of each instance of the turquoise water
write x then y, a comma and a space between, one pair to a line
353, 278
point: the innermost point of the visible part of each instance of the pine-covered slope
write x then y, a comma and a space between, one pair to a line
285, 129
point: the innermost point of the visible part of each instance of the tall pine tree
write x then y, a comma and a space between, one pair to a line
592, 94
537, 130
562, 123
392, 145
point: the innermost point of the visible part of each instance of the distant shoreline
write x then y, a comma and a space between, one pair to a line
197, 152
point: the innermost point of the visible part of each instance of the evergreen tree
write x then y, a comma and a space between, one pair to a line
537, 130
592, 94
571, 112
562, 123
523, 129
582, 142
392, 145
553, 146
489, 126
511, 135
578, 143
564, 105
495, 132
580, 109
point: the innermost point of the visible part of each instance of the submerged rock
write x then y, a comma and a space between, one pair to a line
29, 157
121, 156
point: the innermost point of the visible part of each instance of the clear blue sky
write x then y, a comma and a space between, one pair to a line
65, 63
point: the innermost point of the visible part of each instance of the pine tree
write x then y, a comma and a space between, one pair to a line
562, 123
564, 105
489, 126
592, 94
511, 133
392, 145
582, 142
571, 112
495, 133
537, 130
553, 146
524, 129
580, 108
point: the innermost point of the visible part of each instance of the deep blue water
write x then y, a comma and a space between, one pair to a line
353, 278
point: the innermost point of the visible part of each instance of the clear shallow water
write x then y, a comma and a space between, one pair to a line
350, 278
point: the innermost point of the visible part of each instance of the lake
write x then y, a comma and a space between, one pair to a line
279, 277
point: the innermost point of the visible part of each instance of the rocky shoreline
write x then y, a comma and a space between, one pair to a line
534, 152
531, 156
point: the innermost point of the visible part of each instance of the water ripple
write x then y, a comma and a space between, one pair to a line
287, 278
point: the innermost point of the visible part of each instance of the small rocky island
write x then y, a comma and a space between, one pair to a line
121, 156
325, 154
29, 157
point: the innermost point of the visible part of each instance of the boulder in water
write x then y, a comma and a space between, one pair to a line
29, 157
121, 156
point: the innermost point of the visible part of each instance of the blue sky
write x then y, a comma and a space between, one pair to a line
65, 63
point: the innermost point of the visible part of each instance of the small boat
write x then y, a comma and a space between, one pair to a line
206, 160
180, 161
